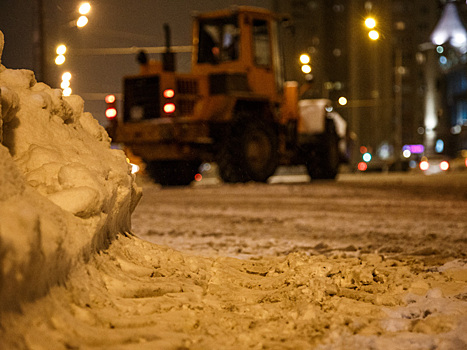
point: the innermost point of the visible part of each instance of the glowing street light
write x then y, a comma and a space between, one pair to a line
370, 22
82, 21
342, 101
373, 34
60, 59
65, 84
84, 8
305, 59
306, 68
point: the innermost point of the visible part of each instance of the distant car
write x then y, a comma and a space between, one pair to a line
434, 164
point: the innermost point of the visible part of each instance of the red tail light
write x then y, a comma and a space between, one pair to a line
169, 108
111, 113
111, 110
169, 93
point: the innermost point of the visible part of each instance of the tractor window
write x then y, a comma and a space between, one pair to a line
261, 43
218, 40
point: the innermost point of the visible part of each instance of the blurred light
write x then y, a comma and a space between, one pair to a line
59, 60
110, 98
67, 91
366, 157
61, 49
370, 22
84, 8
169, 108
111, 113
444, 165
443, 60
342, 101
406, 153
306, 68
415, 149
328, 109
66, 76
82, 21
456, 129
304, 58
439, 146
424, 165
373, 34
363, 149
412, 164
198, 177
439, 49
450, 28
169, 93
134, 168
362, 166
65, 84
465, 162
205, 167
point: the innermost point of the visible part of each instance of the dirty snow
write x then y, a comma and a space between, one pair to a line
352, 265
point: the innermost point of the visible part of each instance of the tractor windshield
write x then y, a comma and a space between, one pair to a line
218, 40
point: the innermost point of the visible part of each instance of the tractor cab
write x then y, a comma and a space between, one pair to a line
239, 46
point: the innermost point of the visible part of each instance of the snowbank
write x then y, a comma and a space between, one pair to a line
64, 192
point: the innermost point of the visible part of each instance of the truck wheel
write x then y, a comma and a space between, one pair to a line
249, 153
323, 163
173, 172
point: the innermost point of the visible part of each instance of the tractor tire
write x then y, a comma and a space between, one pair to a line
249, 152
173, 172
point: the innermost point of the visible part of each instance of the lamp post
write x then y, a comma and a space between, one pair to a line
398, 71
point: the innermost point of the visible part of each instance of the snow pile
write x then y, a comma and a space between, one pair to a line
64, 192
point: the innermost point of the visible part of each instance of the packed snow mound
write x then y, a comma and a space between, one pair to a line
64, 192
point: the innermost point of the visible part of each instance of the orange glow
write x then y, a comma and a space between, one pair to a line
169, 108
363, 149
169, 93
198, 177
111, 113
110, 98
444, 165
362, 166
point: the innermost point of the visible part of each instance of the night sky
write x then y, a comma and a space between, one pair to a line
112, 24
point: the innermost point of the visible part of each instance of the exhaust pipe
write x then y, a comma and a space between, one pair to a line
168, 57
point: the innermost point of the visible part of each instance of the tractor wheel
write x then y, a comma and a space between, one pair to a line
173, 172
249, 153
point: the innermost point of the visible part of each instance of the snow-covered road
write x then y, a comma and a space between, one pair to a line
383, 214
364, 263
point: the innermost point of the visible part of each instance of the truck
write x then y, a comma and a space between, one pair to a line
234, 108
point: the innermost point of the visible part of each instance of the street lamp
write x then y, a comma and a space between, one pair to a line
84, 8
370, 22
373, 34
82, 21
60, 59
305, 60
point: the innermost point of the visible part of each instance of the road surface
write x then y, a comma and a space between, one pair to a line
359, 213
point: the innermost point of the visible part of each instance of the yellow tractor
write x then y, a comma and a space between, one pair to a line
234, 108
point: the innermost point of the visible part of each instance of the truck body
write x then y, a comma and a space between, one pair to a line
234, 108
